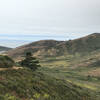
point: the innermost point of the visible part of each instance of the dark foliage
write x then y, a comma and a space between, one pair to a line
6, 62
30, 62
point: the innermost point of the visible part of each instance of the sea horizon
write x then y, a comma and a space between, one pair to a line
15, 40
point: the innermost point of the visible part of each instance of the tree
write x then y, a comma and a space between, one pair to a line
30, 62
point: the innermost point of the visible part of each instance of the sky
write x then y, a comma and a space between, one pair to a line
25, 21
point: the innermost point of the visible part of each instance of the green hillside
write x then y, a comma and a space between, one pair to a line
86, 44
24, 84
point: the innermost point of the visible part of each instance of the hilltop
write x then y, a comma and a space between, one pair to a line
48, 48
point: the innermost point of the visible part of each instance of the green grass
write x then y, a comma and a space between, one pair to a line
75, 70
24, 84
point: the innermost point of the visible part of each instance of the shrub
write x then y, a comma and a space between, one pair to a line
6, 62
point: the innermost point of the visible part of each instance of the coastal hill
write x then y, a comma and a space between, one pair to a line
4, 49
47, 48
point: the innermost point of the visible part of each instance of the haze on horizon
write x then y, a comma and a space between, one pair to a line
24, 21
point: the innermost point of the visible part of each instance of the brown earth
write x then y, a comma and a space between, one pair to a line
16, 68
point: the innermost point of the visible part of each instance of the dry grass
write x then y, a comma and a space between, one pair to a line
95, 72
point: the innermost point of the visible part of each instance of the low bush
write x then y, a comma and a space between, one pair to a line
6, 62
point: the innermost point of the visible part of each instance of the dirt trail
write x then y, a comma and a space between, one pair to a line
16, 68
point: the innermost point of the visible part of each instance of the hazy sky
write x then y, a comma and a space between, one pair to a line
46, 19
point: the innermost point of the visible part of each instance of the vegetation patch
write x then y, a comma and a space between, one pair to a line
6, 62
26, 84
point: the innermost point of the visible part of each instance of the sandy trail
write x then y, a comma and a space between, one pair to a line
16, 68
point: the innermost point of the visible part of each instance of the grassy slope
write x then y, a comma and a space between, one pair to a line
25, 85
80, 70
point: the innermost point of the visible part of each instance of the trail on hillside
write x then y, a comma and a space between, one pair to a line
16, 68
